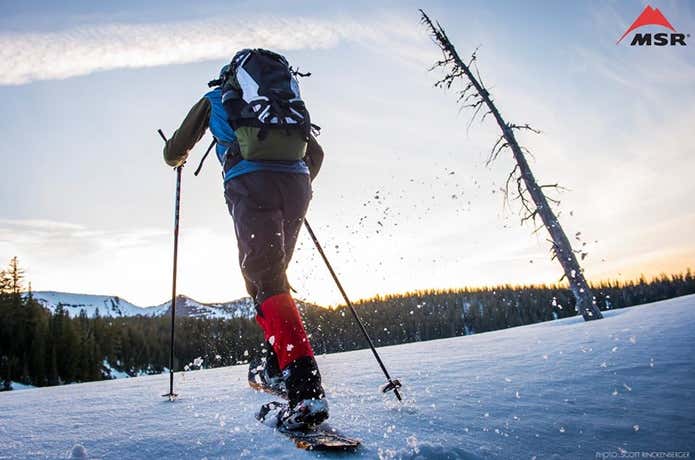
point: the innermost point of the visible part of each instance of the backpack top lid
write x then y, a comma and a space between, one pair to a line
259, 73
259, 89
266, 56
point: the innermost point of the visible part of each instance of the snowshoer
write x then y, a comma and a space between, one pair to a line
269, 156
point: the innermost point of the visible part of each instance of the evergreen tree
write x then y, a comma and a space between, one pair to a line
38, 347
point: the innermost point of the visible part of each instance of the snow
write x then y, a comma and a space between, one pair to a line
78, 451
240, 308
114, 373
114, 306
561, 389
20, 386
106, 305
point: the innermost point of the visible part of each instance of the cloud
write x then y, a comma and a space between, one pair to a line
38, 224
26, 57
59, 240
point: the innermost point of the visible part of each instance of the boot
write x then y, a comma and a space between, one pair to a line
307, 406
265, 374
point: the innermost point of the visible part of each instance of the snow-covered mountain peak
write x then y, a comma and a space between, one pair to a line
115, 306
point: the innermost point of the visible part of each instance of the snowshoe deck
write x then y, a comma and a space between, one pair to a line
323, 438
267, 389
319, 437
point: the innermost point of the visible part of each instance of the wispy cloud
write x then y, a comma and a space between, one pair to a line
63, 239
26, 57
38, 224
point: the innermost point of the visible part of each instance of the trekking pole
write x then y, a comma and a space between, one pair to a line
171, 395
393, 384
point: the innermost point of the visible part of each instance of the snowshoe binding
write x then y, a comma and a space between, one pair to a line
307, 406
303, 416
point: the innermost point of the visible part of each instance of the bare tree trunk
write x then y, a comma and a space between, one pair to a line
562, 248
561, 245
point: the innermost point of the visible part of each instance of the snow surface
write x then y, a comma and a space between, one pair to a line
20, 386
561, 389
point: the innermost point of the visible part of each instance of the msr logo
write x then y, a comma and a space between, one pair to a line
653, 17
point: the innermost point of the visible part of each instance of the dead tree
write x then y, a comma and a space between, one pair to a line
533, 199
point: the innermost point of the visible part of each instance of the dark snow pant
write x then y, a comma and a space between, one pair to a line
268, 210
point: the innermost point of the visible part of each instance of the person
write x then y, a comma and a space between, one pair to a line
268, 165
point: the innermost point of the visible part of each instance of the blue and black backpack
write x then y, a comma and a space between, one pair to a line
260, 94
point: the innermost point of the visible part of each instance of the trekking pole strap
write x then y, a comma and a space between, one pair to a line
202, 160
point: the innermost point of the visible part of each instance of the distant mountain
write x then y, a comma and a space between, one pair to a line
185, 306
114, 306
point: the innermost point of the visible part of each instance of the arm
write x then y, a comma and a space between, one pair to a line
192, 129
313, 157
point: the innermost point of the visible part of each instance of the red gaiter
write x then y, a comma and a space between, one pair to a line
283, 328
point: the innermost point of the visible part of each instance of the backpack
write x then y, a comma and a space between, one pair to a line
260, 94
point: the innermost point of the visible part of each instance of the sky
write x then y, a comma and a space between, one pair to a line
404, 200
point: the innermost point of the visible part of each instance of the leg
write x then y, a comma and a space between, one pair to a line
268, 210
294, 211
302, 376
258, 224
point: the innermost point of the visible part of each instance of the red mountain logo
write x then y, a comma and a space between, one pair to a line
653, 17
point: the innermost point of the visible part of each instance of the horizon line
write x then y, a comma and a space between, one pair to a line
450, 290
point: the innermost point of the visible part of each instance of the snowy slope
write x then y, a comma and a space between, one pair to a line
115, 306
241, 308
561, 389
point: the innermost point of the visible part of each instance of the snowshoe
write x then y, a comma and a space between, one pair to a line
307, 406
321, 437
303, 416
